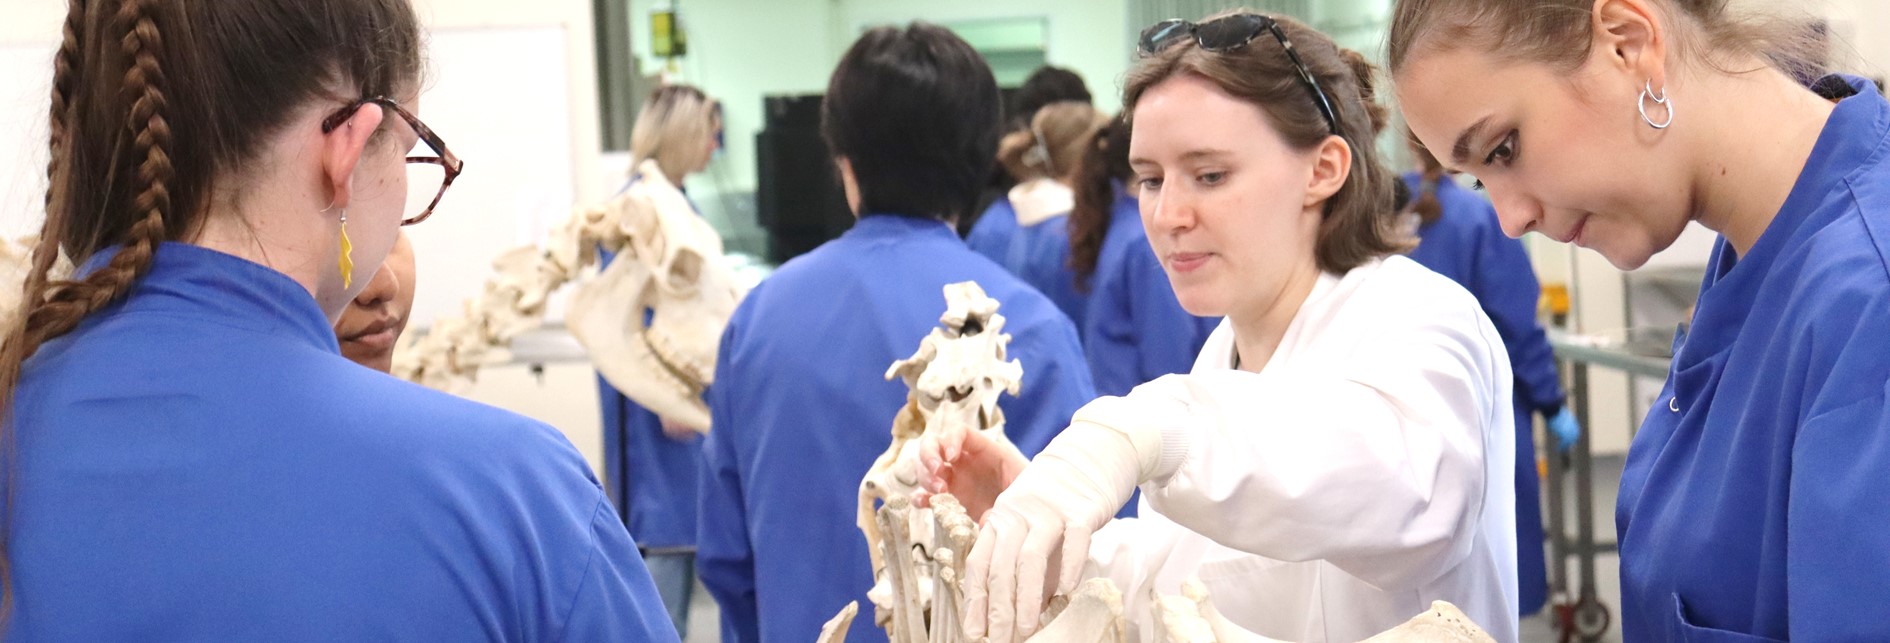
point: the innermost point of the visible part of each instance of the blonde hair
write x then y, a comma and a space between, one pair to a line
674, 129
1054, 145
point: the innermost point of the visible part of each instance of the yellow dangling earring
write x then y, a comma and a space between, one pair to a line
347, 254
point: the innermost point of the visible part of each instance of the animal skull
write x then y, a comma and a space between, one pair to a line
651, 321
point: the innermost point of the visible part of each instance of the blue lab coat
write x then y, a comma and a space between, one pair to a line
1038, 254
801, 409
1755, 504
1135, 329
1467, 245
652, 478
198, 462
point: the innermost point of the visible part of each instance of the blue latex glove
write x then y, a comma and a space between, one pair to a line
1563, 426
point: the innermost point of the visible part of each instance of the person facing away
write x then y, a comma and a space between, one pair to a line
1047, 85
1340, 455
1028, 232
652, 467
1134, 330
1459, 237
1750, 505
192, 458
800, 406
374, 320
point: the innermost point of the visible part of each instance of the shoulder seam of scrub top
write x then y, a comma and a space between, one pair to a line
590, 563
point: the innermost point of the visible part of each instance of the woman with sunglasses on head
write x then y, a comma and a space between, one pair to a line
1340, 455
190, 456
1751, 506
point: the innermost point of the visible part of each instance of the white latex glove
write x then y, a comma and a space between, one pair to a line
1036, 537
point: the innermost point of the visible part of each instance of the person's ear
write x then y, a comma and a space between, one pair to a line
850, 182
1332, 163
1632, 37
342, 148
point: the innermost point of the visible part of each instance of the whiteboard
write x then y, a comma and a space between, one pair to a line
500, 97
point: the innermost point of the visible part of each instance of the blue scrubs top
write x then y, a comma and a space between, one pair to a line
1467, 245
801, 409
198, 462
1756, 500
1038, 254
1135, 330
651, 477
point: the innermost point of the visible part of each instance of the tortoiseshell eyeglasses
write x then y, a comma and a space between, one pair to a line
427, 176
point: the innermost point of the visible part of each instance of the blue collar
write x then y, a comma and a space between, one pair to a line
1854, 134
891, 226
200, 283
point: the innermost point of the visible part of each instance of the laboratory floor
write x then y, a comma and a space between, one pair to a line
705, 625
1607, 476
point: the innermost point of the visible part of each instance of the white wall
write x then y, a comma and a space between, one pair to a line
742, 50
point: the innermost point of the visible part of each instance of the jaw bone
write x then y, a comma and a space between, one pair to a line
668, 263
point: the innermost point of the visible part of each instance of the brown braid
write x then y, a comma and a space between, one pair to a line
69, 302
46, 251
16, 347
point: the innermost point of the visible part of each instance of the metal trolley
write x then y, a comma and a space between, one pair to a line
1580, 613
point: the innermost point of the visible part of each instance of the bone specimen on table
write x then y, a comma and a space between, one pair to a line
1092, 615
1444, 623
1192, 617
668, 271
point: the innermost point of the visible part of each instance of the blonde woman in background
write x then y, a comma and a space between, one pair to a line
650, 465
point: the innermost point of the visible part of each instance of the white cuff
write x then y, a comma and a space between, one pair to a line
1155, 426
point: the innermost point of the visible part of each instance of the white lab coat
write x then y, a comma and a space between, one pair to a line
1363, 473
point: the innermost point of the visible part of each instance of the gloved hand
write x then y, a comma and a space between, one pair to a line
1565, 429
1034, 542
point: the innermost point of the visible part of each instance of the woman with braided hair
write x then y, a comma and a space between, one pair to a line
188, 455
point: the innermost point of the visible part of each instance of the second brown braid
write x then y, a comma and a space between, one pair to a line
69, 302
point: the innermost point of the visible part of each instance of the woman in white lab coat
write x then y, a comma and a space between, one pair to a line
1340, 455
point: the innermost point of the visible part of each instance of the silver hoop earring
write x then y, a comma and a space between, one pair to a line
1647, 94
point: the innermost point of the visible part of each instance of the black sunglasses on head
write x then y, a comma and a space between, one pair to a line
1228, 34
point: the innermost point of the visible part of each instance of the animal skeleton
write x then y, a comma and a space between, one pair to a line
955, 378
668, 267
918, 555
